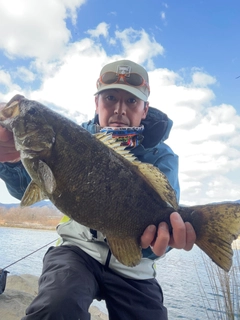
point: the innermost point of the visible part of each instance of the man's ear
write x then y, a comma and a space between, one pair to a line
145, 110
96, 103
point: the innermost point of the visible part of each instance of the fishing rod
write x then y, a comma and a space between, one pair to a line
4, 272
29, 254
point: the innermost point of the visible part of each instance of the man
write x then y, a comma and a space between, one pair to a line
82, 267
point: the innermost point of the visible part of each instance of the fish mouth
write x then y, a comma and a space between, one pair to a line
10, 111
28, 134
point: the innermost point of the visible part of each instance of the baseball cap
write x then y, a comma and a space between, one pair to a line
126, 75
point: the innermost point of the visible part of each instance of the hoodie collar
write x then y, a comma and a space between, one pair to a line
157, 127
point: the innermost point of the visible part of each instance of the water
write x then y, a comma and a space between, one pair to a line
17, 242
186, 279
182, 275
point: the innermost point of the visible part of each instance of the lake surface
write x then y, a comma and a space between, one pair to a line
183, 276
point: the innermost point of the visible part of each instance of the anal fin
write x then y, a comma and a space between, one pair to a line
126, 250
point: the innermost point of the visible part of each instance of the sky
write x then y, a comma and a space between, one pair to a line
52, 51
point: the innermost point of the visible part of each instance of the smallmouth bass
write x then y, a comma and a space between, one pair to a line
98, 183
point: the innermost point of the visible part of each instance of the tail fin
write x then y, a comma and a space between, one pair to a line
216, 226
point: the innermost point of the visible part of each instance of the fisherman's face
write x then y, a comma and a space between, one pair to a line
119, 108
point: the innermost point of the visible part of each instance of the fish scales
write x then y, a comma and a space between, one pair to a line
87, 185
95, 183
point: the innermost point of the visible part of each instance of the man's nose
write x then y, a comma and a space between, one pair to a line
120, 108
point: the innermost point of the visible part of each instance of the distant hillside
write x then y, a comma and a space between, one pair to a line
42, 215
236, 201
50, 204
37, 204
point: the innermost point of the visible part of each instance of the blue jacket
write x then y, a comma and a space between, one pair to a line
152, 150
157, 127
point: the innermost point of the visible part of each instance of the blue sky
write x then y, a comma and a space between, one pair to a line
52, 51
204, 34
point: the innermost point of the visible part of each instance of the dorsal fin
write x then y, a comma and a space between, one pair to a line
152, 174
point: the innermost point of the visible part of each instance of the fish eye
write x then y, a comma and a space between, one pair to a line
32, 111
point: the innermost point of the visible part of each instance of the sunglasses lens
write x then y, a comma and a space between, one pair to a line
134, 79
109, 77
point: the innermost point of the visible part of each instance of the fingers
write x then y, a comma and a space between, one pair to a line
183, 234
156, 238
191, 236
148, 236
159, 246
8, 153
178, 239
5, 136
10, 157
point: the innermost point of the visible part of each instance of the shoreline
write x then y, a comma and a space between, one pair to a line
33, 227
20, 291
50, 228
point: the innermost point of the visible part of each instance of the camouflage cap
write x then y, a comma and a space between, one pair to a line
126, 75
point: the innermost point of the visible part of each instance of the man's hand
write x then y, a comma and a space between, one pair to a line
8, 153
183, 236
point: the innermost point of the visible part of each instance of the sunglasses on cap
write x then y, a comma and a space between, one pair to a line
132, 79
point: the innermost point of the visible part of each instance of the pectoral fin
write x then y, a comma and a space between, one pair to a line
46, 177
127, 250
32, 195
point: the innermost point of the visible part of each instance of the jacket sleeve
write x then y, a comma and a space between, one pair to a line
167, 162
15, 177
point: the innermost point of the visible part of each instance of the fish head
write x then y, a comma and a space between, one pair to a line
33, 135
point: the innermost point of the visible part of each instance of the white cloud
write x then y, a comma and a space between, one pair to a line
71, 7
71, 82
101, 30
7, 85
5, 79
27, 27
217, 192
202, 79
181, 101
139, 46
25, 74
205, 136
163, 15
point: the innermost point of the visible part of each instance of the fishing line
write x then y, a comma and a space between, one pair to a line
30, 254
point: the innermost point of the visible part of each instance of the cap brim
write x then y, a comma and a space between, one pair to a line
136, 92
